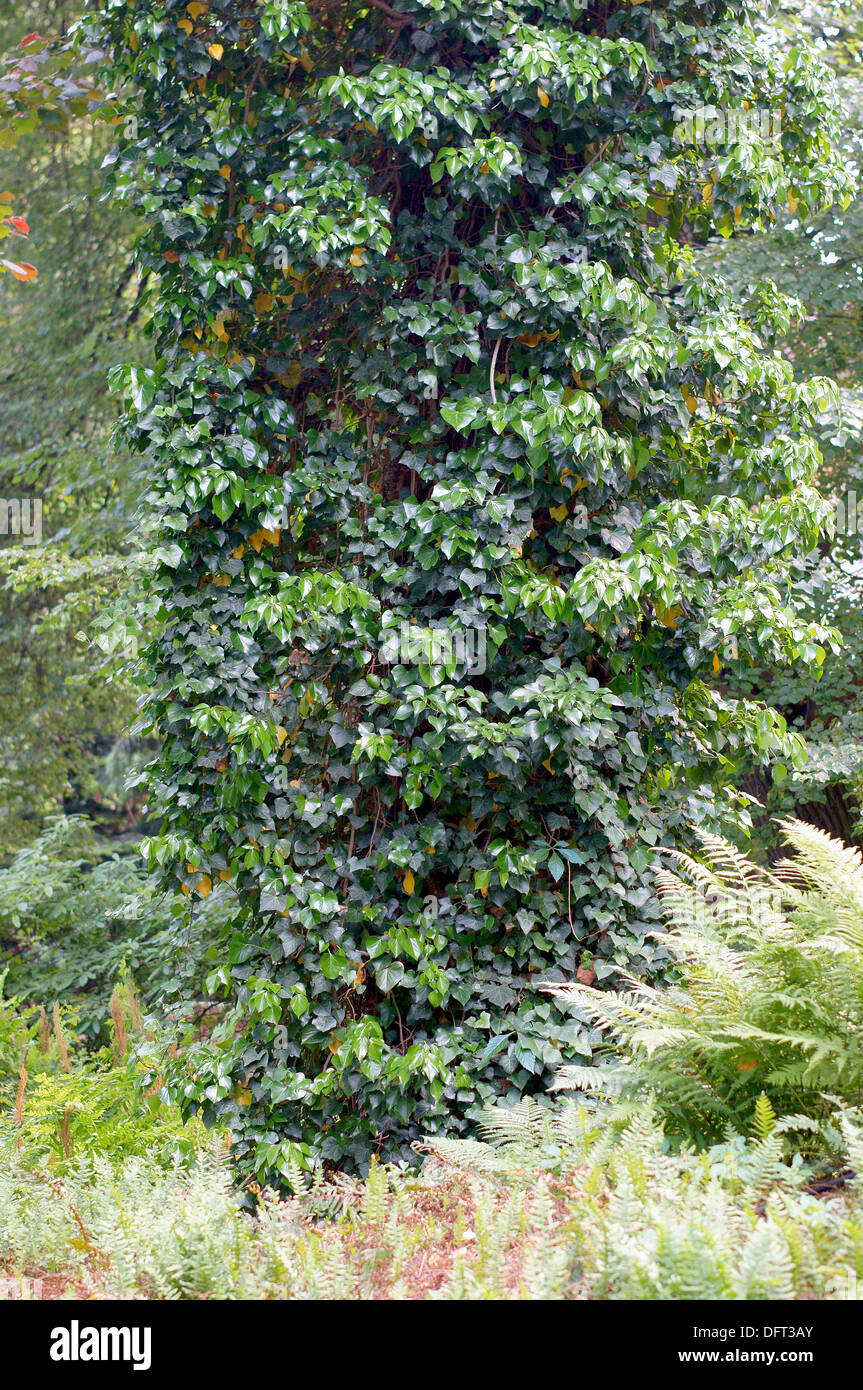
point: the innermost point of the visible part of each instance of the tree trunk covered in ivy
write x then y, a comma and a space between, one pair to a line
434, 354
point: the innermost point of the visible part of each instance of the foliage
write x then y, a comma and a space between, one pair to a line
769, 1002
816, 259
733, 1223
16, 1033
433, 351
43, 84
98, 1109
612, 1216
133, 1229
62, 717
827, 713
75, 914
63, 1105
819, 260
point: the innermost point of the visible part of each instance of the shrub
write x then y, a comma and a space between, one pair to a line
76, 912
62, 1104
16, 1033
555, 1206
770, 999
733, 1223
433, 356
99, 1108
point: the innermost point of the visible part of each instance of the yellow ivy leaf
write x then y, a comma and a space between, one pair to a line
543, 96
792, 201
668, 616
559, 513
215, 51
707, 194
265, 535
242, 1095
546, 762
691, 402
738, 213
409, 882
357, 257
186, 25
204, 886
483, 892
263, 302
281, 734
717, 665
237, 552
185, 889
225, 875
196, 8
225, 171
292, 376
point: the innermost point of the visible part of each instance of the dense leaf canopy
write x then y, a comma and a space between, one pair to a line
434, 353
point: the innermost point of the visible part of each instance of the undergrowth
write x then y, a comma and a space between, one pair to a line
555, 1205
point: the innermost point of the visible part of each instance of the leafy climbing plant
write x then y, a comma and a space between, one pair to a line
434, 356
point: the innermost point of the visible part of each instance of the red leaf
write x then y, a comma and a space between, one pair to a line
20, 225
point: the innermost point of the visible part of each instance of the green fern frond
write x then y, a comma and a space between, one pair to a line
764, 1122
771, 997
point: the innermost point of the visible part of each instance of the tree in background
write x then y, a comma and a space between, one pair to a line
819, 260
61, 720
434, 356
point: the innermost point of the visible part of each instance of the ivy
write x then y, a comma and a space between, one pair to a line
434, 356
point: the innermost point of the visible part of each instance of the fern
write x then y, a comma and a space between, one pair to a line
770, 1002
765, 1118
